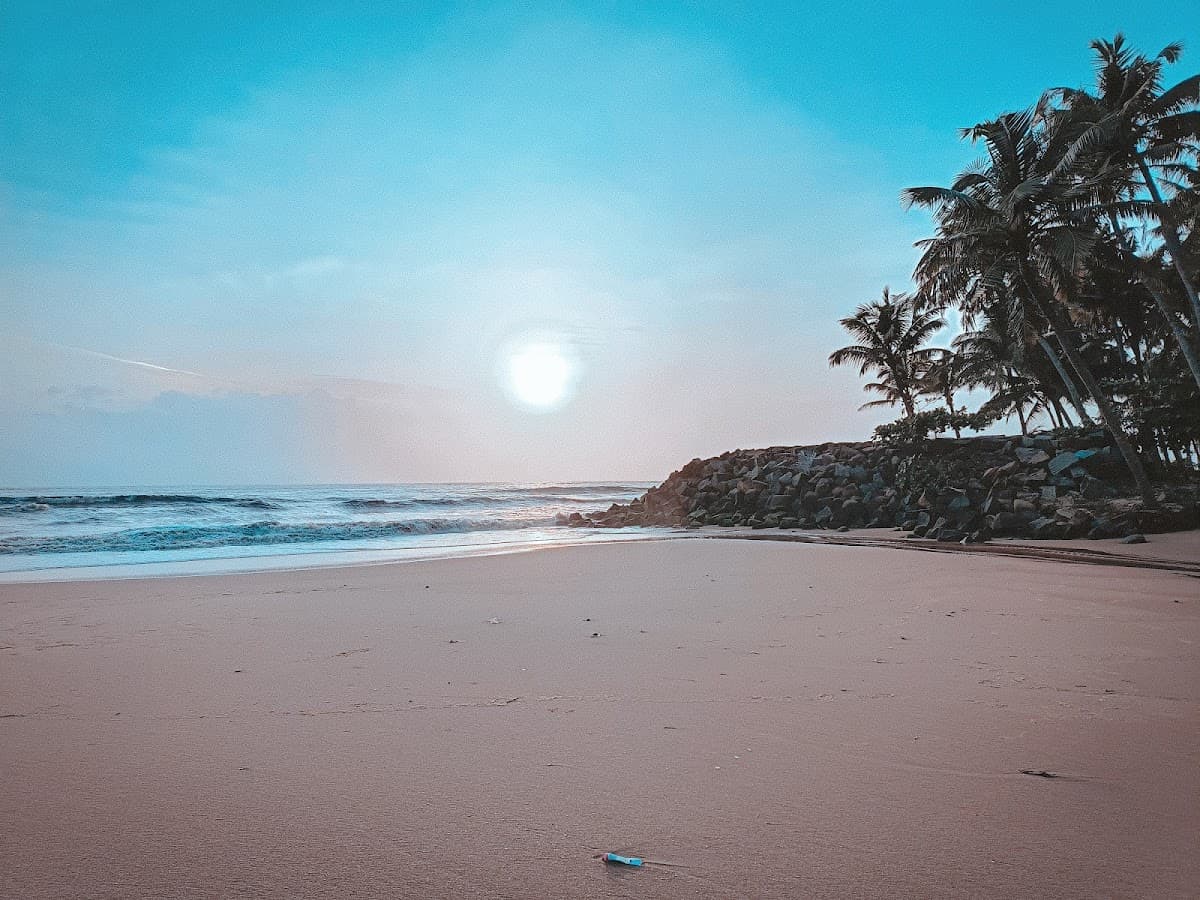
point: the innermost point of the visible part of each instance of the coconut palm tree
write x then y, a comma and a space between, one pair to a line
891, 334
1134, 135
996, 357
942, 379
1015, 216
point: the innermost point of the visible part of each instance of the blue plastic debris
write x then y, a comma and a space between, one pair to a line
622, 860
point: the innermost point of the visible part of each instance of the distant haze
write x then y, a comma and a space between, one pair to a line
294, 248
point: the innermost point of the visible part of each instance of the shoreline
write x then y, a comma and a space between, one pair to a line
842, 721
1182, 548
307, 560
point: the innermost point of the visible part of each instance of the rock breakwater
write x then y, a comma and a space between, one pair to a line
948, 489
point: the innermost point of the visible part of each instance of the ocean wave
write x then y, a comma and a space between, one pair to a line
516, 498
9, 504
21, 507
375, 503
598, 489
188, 537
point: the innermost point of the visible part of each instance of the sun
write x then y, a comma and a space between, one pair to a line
539, 373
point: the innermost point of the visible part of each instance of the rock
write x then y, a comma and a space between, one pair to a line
1095, 489
973, 486
1135, 538
1024, 507
1044, 527
1006, 523
1104, 462
1076, 517
1031, 456
1168, 517
1064, 461
958, 503
853, 511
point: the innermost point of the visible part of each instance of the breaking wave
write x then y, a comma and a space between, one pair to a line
521, 498
118, 526
37, 503
189, 537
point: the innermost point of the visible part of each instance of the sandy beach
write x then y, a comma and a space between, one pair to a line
755, 719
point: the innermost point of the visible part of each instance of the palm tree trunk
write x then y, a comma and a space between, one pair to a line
949, 398
1170, 237
1181, 336
1021, 419
1072, 390
1109, 417
1048, 308
1053, 410
1063, 414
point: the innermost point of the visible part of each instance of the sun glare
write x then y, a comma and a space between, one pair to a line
539, 374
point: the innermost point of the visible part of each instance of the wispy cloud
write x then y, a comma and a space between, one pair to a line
133, 362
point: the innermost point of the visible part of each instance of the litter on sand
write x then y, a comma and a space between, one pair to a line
622, 860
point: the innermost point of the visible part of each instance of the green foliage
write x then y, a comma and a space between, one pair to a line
890, 335
920, 426
1071, 251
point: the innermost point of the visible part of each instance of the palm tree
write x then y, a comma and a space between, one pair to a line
943, 378
1155, 287
1127, 132
995, 357
1013, 217
891, 334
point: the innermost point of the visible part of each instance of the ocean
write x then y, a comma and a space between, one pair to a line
185, 530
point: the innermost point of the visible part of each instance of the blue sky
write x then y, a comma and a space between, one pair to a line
324, 221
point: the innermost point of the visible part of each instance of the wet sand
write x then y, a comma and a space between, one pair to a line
758, 719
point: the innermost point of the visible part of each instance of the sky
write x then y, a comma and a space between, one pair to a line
305, 242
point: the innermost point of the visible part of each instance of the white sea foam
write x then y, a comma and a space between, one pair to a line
52, 530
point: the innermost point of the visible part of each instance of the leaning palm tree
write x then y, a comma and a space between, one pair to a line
1012, 217
1142, 133
891, 335
1132, 135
